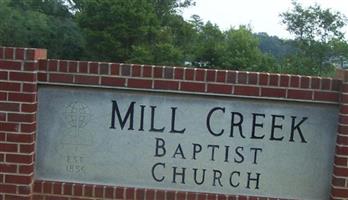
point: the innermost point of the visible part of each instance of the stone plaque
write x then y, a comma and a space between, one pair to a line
186, 142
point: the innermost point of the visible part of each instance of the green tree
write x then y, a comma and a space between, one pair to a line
242, 51
46, 24
314, 29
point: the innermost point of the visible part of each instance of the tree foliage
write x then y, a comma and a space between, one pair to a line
315, 30
154, 32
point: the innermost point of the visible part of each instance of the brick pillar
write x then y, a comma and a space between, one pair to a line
18, 108
340, 175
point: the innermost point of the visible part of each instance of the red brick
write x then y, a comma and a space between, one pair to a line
83, 67
344, 109
17, 179
160, 195
26, 169
3, 96
26, 148
3, 75
9, 106
11, 65
49, 197
89, 80
341, 150
140, 194
57, 188
5, 147
211, 197
294, 81
200, 74
53, 65
2, 136
201, 196
119, 193
9, 53
103, 68
14, 117
29, 87
63, 66
6, 188
109, 192
305, 82
273, 92
170, 195
28, 128
47, 187
10, 86
115, 69
342, 140
340, 182
28, 107
61, 78
72, 65
2, 116
42, 76
43, 65
37, 186
299, 94
147, 71
36, 54
21, 97
30, 66
327, 96
10, 127
343, 119
179, 73
221, 76
246, 90
20, 54
219, 88
325, 83
125, 70
315, 83
158, 72
189, 73
19, 197
24, 189
98, 191
252, 78
336, 85
8, 168
264, 79
130, 193
168, 73
231, 77
77, 189
166, 85
191, 195
136, 70
343, 161
88, 191
181, 195
67, 188
139, 83
192, 86
274, 79
211, 75
112, 81
242, 77
338, 192
18, 158
2, 51
341, 171
20, 138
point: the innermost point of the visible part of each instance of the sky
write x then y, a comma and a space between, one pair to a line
262, 15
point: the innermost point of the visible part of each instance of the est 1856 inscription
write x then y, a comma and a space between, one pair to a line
186, 142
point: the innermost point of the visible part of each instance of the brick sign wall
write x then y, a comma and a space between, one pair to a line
25, 73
